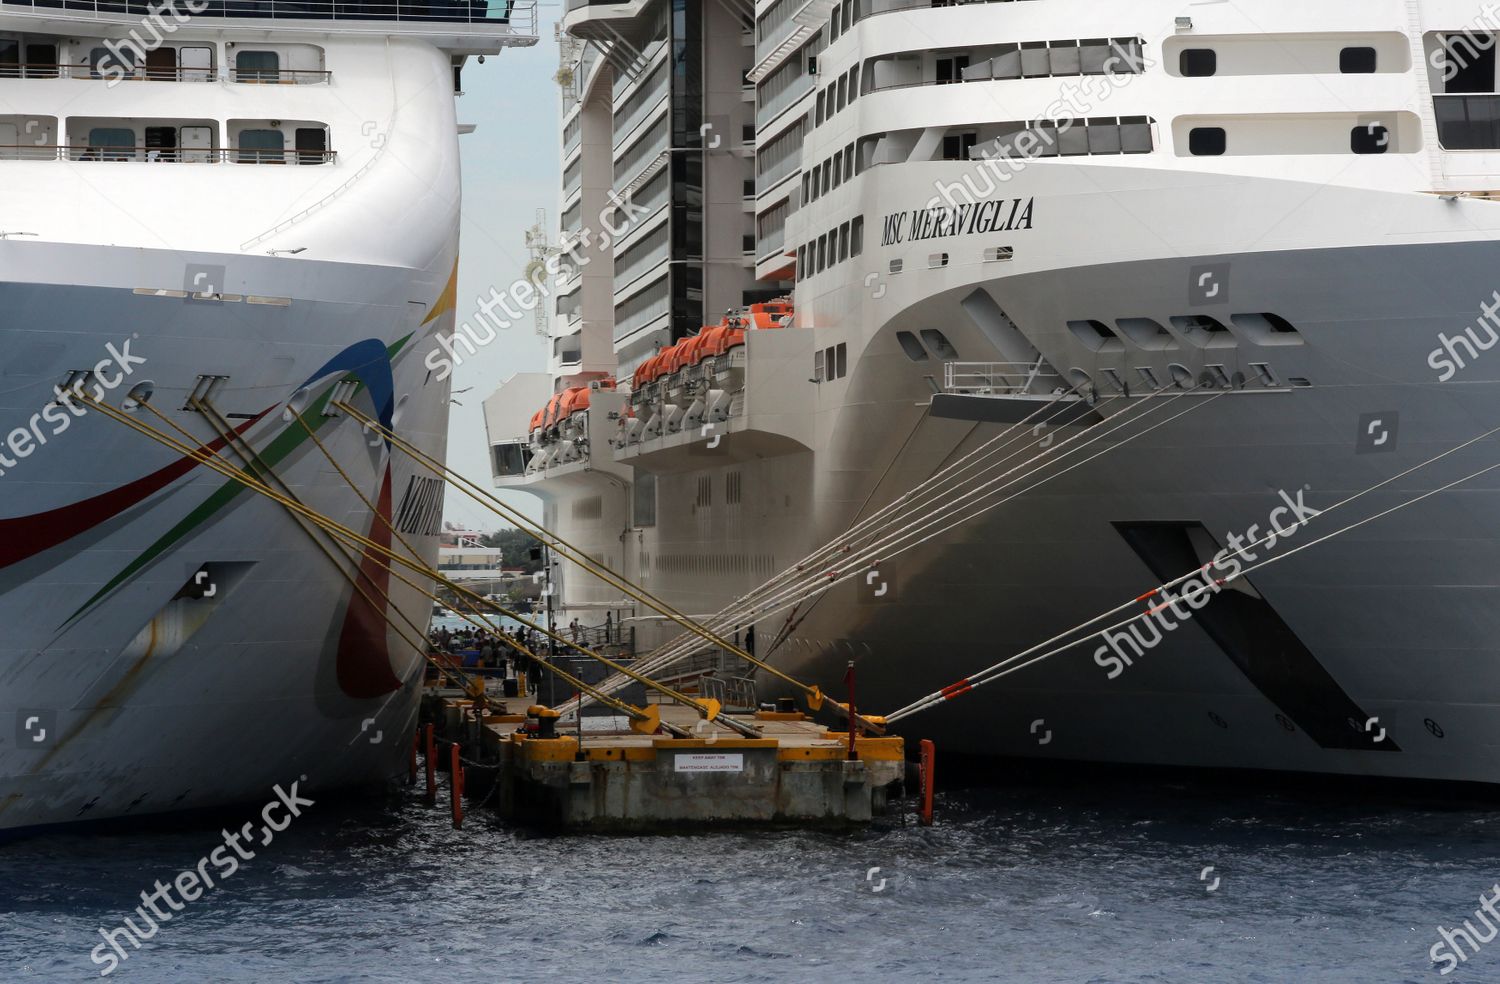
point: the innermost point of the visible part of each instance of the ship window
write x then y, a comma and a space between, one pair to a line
116, 63
838, 172
41, 61
312, 145
853, 83
1470, 63
956, 146
896, 266
1371, 138
936, 261
822, 253
1197, 63
827, 180
257, 66
913, 348
939, 343
857, 236
110, 144
843, 91
818, 112
10, 59
1207, 141
1357, 61
806, 181
161, 143
849, 160
262, 147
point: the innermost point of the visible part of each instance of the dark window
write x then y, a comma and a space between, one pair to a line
1357, 61
956, 146
951, 69
1207, 141
1197, 63
841, 354
312, 145
161, 64
1370, 139
161, 143
41, 61
1470, 64
10, 59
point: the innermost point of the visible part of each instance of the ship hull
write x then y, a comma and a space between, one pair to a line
173, 640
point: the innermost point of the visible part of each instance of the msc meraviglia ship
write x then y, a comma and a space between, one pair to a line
927, 220
218, 211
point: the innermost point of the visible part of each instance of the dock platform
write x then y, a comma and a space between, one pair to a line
613, 779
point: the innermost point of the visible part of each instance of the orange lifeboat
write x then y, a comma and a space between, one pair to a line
549, 419
574, 399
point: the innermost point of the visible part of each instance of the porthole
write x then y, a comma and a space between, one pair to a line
1197, 63
1371, 138
1357, 61
1207, 141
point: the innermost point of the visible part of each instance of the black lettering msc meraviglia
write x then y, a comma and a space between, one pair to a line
943, 221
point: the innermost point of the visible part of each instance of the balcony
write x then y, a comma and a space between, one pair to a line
458, 26
164, 155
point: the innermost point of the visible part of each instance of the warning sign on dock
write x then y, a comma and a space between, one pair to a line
703, 762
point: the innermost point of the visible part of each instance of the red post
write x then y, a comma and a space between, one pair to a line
929, 756
853, 715
431, 767
411, 771
456, 786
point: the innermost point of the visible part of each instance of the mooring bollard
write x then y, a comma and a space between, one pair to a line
456, 785
431, 767
929, 755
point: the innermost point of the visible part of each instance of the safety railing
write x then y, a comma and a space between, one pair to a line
998, 378
164, 155
736, 693
519, 14
112, 71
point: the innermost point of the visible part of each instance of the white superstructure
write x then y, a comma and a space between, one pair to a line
1283, 212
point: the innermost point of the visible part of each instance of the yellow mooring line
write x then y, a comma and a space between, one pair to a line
709, 709
814, 696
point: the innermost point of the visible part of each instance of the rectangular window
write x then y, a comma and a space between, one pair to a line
110, 144
1470, 64
261, 147
161, 143
257, 66
819, 361
10, 58
1357, 61
643, 499
843, 92
841, 359
1207, 141
41, 61
827, 178
843, 242
1197, 63
849, 161
312, 145
857, 235
838, 172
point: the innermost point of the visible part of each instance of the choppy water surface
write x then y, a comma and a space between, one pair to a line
1104, 884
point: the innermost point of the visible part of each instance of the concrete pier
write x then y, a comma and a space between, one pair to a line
617, 780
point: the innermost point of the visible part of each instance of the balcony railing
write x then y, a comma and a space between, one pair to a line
112, 71
164, 155
520, 14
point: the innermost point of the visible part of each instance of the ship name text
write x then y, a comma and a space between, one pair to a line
942, 221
